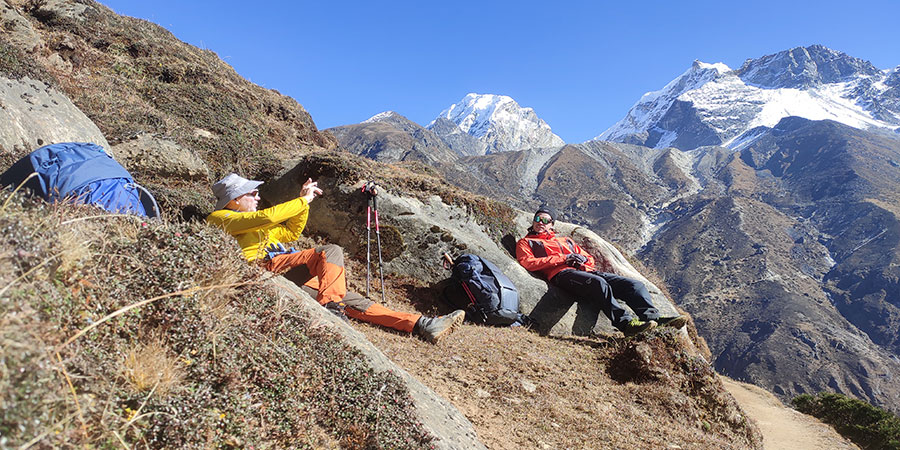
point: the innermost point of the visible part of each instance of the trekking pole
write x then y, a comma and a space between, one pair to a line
368, 237
371, 190
378, 240
368, 246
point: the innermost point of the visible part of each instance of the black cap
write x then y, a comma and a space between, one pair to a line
547, 210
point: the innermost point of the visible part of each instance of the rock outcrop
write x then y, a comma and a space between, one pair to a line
147, 155
18, 29
33, 114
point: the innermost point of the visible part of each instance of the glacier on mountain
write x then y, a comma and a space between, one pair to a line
711, 104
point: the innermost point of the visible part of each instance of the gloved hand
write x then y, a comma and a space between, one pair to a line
337, 308
575, 260
274, 250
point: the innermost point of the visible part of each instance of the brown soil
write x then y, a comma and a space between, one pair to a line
523, 390
783, 427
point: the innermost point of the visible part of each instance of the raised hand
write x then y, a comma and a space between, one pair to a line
310, 190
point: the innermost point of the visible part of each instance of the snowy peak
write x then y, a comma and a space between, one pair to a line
499, 123
653, 106
474, 113
804, 68
711, 105
381, 117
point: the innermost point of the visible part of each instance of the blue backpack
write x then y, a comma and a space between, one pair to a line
488, 296
81, 173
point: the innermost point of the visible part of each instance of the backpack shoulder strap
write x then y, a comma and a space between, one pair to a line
149, 202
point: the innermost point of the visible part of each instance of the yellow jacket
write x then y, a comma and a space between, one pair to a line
257, 230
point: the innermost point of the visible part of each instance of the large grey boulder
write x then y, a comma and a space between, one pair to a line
33, 114
416, 232
439, 417
150, 155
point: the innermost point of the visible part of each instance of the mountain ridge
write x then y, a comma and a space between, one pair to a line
710, 104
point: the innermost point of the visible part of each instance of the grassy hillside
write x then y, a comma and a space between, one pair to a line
211, 357
131, 76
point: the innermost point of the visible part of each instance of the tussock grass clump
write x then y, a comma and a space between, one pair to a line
214, 357
150, 366
868, 426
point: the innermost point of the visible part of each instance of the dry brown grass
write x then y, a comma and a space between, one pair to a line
74, 251
152, 366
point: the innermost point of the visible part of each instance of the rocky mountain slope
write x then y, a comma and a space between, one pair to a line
711, 104
389, 137
785, 252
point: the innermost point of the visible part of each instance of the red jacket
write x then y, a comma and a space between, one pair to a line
546, 253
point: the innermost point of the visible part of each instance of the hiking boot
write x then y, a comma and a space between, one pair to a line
636, 326
674, 322
432, 329
337, 308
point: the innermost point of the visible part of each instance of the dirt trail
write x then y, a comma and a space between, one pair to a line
783, 427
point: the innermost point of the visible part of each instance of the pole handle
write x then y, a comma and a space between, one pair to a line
447, 261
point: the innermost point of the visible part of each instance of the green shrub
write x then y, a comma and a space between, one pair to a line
868, 426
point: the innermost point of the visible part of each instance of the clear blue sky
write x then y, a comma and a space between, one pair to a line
580, 64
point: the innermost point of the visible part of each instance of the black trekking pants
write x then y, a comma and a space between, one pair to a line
607, 290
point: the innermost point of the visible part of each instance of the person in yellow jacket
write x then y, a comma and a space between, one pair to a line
262, 233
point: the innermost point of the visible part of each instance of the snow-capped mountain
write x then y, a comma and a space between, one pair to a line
498, 122
710, 104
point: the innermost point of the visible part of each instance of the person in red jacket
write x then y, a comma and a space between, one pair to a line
262, 234
572, 269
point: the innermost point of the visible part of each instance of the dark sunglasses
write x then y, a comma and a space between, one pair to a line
543, 220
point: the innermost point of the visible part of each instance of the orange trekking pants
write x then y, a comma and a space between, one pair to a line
320, 271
